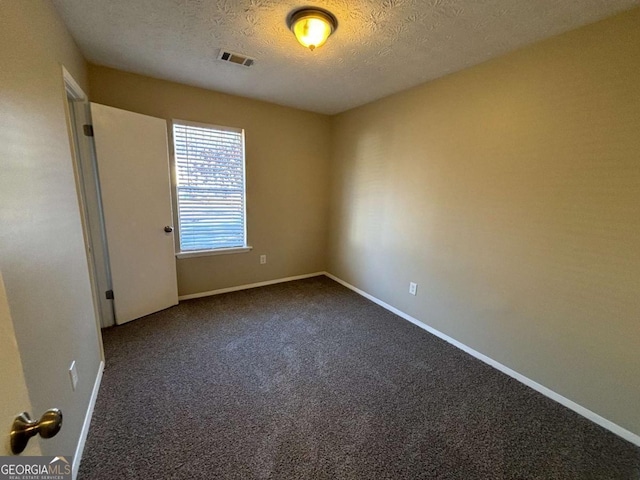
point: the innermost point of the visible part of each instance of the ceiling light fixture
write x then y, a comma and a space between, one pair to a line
312, 26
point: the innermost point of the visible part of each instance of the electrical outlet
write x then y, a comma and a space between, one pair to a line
413, 288
73, 374
263, 259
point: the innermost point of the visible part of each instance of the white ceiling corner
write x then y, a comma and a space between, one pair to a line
379, 48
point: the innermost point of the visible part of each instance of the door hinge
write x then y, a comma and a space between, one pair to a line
88, 130
109, 294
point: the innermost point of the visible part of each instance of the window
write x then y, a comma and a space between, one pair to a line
210, 183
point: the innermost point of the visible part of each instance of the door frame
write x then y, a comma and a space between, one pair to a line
85, 168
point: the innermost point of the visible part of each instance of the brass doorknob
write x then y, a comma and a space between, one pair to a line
24, 428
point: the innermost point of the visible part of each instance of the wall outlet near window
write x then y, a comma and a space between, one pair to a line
413, 288
263, 259
73, 375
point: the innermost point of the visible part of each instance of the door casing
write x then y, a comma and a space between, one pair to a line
89, 199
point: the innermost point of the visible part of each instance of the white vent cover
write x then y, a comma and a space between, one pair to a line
236, 58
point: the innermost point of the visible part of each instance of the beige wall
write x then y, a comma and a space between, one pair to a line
510, 192
42, 256
287, 154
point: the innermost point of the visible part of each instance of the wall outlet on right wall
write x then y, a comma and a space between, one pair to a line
263, 259
413, 288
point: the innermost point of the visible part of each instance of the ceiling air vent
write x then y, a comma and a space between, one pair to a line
236, 58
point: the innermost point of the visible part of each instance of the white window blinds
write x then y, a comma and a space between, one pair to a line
210, 181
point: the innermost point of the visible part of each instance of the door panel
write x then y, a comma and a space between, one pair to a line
133, 165
15, 397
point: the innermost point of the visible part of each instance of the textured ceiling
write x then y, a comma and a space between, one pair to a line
379, 48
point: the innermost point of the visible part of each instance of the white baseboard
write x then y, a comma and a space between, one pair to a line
585, 412
249, 285
87, 422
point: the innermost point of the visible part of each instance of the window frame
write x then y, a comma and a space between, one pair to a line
174, 174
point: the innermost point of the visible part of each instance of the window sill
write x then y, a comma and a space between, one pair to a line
218, 251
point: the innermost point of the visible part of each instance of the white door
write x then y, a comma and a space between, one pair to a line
133, 165
15, 397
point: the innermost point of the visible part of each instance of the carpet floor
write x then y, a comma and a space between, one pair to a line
308, 380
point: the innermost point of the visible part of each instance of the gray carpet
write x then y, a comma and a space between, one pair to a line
307, 380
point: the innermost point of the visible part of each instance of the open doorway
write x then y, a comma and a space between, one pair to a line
89, 199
